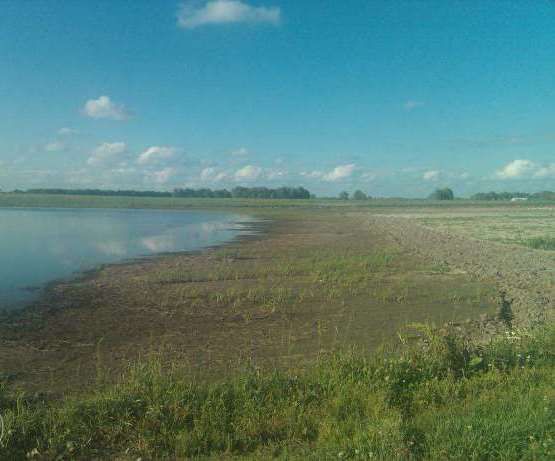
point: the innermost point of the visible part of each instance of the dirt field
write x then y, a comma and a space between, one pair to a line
313, 282
488, 245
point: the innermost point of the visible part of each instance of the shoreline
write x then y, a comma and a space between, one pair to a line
48, 300
46, 290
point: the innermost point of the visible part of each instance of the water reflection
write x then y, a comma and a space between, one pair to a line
41, 245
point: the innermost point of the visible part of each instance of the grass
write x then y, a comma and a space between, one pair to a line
541, 243
440, 397
532, 227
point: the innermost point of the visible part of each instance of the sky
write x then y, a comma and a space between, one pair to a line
391, 97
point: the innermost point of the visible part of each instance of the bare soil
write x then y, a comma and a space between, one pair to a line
526, 275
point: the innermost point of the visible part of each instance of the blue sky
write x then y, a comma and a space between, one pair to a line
392, 97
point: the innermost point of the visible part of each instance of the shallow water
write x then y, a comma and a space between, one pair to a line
39, 245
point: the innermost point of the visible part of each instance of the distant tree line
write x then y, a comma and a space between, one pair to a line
492, 196
357, 195
103, 192
264, 192
202, 193
246, 192
237, 192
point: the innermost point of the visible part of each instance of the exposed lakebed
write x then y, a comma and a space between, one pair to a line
41, 245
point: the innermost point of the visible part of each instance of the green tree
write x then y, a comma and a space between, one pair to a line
344, 195
442, 194
359, 195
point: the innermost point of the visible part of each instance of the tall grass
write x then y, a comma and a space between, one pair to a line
440, 397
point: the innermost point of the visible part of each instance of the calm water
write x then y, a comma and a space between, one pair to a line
38, 246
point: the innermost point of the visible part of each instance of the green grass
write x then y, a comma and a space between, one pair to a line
441, 397
541, 243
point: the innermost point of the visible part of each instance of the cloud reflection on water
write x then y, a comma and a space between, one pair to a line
42, 245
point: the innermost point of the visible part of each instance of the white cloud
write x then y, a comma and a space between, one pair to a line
65, 131
154, 154
516, 169
104, 107
55, 146
241, 152
412, 104
273, 174
248, 172
210, 174
105, 152
207, 174
339, 172
316, 174
431, 175
369, 176
193, 14
546, 171
162, 176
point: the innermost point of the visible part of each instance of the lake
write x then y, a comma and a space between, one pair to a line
41, 245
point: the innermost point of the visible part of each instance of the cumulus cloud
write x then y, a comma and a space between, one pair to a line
104, 107
65, 131
207, 174
339, 172
273, 174
210, 174
431, 175
155, 154
248, 172
369, 176
105, 152
547, 171
526, 169
516, 169
162, 176
194, 14
316, 174
55, 146
241, 152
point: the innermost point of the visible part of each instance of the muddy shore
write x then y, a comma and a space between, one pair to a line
310, 283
